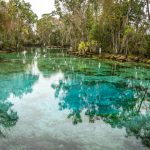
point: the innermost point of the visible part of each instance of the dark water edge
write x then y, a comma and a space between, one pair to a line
53, 101
108, 56
114, 57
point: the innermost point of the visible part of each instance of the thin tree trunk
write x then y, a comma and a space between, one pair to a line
113, 41
148, 9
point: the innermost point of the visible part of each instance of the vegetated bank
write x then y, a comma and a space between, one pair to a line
118, 30
111, 29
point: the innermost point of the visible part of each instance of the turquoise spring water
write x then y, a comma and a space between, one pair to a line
51, 101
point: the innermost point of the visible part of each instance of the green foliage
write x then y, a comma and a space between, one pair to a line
17, 23
83, 47
87, 46
93, 43
129, 30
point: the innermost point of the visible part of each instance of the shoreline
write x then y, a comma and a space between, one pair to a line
114, 57
108, 56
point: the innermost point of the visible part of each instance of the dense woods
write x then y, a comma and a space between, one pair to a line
107, 26
16, 23
117, 26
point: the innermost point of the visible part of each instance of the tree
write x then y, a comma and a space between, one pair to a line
49, 30
22, 19
17, 21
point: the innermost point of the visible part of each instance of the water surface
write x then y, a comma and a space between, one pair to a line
51, 101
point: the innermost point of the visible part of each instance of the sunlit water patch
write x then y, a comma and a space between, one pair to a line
51, 101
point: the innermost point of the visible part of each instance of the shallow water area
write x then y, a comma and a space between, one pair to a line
52, 101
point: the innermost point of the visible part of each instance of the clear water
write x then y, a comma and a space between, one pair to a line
50, 101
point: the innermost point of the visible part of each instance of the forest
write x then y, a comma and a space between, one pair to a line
98, 26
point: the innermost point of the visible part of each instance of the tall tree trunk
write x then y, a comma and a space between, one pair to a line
126, 50
116, 43
113, 41
148, 9
126, 22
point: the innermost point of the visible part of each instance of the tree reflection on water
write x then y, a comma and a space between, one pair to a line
16, 85
115, 104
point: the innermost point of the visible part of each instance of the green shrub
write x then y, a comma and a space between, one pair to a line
82, 48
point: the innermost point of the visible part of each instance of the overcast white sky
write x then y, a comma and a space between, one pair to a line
41, 6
